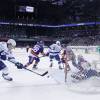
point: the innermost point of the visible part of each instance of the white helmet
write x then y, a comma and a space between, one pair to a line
12, 42
58, 42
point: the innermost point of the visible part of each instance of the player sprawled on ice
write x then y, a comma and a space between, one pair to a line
35, 51
6, 54
54, 52
85, 70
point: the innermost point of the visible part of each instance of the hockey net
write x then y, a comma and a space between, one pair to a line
90, 53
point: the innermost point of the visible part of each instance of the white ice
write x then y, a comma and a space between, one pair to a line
29, 86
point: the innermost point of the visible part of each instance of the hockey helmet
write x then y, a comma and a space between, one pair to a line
11, 43
58, 42
41, 43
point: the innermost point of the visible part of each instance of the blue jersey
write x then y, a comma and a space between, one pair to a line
37, 49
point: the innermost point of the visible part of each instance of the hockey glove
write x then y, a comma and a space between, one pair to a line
19, 65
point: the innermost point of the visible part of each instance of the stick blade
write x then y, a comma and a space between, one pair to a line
44, 73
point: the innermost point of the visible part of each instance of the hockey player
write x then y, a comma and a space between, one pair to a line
6, 54
85, 70
35, 51
68, 55
64, 59
54, 51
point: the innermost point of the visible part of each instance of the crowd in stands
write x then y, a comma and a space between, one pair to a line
74, 36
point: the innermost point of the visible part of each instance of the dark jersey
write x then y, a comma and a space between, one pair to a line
37, 49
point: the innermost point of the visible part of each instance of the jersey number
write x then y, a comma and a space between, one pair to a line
36, 48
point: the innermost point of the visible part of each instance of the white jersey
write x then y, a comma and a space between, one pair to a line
54, 49
5, 51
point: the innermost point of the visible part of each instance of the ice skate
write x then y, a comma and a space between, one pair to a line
6, 77
34, 67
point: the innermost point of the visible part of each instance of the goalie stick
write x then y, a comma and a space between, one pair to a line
46, 72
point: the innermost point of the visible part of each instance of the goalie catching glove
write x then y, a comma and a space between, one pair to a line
19, 65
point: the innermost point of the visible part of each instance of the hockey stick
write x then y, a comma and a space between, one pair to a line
36, 72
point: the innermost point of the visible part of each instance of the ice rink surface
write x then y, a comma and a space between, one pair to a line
29, 86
